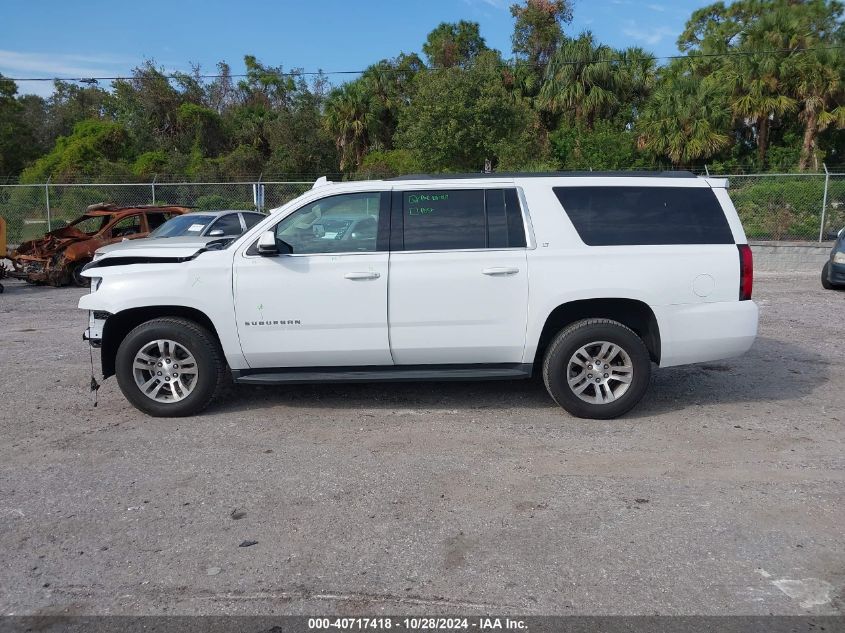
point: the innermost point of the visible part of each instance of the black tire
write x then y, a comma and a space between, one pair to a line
210, 365
580, 334
76, 277
826, 278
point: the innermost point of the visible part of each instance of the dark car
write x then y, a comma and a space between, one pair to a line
833, 273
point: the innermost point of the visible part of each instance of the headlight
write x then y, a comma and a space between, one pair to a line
95, 283
839, 258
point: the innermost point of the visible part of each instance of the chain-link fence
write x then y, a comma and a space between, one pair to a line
32, 210
773, 207
790, 207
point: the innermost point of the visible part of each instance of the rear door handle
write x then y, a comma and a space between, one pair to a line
354, 276
500, 272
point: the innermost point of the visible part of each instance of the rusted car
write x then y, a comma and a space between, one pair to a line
58, 257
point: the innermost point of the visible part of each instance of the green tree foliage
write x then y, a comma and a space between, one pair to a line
605, 146
583, 81
461, 117
686, 117
538, 29
16, 137
762, 86
352, 119
95, 149
782, 66
454, 44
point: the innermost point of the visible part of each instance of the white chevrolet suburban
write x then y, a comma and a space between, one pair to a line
585, 278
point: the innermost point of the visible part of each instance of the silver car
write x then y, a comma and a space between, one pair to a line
197, 224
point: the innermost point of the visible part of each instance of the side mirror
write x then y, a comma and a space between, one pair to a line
216, 233
269, 246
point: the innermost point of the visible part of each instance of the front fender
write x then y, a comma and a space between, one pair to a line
203, 284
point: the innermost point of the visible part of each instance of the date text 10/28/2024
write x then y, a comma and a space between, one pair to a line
418, 624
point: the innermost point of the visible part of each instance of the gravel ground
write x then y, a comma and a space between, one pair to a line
722, 493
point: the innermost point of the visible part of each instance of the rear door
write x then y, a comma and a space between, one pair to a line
458, 284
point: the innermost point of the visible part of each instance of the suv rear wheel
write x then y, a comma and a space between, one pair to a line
597, 368
169, 367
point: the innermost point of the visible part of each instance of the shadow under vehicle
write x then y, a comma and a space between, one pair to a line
59, 257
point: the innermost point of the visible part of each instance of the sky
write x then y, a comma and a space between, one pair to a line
93, 38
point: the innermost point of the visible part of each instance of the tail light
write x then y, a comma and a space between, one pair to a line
746, 272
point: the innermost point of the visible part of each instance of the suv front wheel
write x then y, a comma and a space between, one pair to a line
169, 367
597, 368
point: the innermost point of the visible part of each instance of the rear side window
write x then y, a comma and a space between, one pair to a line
461, 219
613, 216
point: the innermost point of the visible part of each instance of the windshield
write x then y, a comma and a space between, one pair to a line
191, 224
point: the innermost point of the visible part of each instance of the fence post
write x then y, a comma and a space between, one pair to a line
47, 195
258, 194
153, 185
824, 200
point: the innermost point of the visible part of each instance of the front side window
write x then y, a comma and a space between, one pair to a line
228, 225
338, 224
251, 219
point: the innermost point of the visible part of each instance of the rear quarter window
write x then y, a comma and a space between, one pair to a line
614, 216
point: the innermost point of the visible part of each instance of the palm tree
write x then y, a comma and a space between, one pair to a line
758, 81
582, 79
352, 120
820, 88
759, 95
685, 117
637, 70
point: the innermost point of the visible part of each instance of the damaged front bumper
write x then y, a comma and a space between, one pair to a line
96, 322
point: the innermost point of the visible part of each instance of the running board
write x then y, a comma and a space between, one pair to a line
381, 374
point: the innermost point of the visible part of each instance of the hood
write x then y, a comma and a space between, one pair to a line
155, 251
146, 243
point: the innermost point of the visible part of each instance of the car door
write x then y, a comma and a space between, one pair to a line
325, 304
458, 283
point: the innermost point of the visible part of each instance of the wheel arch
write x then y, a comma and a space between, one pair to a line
632, 313
118, 325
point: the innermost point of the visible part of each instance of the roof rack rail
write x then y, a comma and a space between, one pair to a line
550, 174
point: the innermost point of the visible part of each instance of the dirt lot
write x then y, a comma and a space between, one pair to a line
722, 493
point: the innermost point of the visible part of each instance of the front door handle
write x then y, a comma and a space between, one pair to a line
356, 276
500, 272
